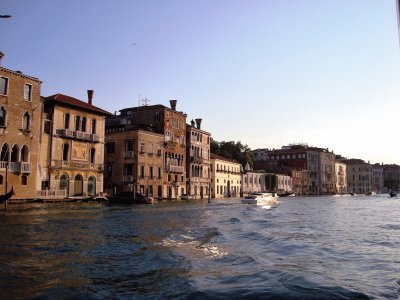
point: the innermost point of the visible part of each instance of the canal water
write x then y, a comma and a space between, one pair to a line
305, 248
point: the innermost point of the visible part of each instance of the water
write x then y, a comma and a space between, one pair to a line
305, 248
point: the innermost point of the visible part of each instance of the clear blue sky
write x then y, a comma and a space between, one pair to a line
267, 73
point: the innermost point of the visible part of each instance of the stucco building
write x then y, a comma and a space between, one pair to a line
197, 160
72, 147
340, 177
20, 110
252, 181
225, 177
359, 176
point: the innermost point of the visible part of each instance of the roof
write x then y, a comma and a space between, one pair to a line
149, 107
19, 73
70, 101
220, 157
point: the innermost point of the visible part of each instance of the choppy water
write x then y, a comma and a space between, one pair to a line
306, 248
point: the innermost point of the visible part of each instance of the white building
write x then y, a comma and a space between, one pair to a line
225, 177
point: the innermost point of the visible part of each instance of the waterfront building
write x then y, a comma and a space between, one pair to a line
279, 183
172, 124
340, 177
359, 176
252, 181
377, 178
317, 162
133, 159
300, 182
20, 109
197, 160
72, 147
391, 175
225, 177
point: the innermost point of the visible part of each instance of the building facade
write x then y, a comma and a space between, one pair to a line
359, 176
252, 181
197, 160
172, 124
340, 178
391, 177
279, 183
72, 147
133, 160
20, 114
225, 177
377, 178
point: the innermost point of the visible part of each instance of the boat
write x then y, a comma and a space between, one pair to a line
370, 193
353, 194
261, 199
392, 194
287, 194
7, 196
130, 198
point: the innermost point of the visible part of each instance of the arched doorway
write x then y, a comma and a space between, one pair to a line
92, 185
78, 185
201, 192
229, 188
64, 184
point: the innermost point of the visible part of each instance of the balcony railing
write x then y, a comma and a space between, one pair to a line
26, 167
175, 169
65, 133
64, 164
197, 160
94, 138
15, 166
128, 178
52, 194
3, 164
129, 154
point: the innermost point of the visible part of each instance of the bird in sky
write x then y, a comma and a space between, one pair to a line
5, 16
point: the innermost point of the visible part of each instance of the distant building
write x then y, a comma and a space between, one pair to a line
20, 110
377, 178
279, 183
253, 181
359, 176
225, 177
72, 147
341, 177
391, 174
198, 177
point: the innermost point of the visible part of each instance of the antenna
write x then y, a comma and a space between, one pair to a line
145, 102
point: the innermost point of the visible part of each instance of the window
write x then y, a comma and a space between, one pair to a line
141, 171
3, 85
110, 147
28, 92
151, 172
84, 124
77, 123
1, 179
66, 121
47, 127
109, 170
151, 149
92, 155
3, 115
65, 152
24, 180
159, 173
93, 126
141, 148
26, 121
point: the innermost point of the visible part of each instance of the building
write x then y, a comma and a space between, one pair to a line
133, 159
72, 147
391, 175
377, 178
20, 109
225, 177
279, 183
300, 182
340, 178
172, 124
359, 176
252, 181
327, 172
197, 160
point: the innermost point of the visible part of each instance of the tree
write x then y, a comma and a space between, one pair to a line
233, 150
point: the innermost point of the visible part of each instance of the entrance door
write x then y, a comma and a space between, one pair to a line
92, 185
229, 188
78, 185
201, 192
64, 184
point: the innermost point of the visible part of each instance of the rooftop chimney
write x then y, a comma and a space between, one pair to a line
173, 104
198, 123
90, 96
1, 57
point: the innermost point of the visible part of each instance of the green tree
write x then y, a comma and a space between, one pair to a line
233, 150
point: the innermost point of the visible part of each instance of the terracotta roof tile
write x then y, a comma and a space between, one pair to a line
70, 101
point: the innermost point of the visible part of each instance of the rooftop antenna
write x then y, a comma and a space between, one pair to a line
145, 102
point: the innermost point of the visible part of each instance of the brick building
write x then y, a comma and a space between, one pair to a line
20, 110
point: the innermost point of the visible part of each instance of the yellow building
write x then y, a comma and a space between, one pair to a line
19, 132
72, 147
225, 177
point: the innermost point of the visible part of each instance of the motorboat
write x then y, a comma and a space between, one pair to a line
370, 193
392, 194
261, 199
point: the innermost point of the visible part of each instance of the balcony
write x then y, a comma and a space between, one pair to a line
57, 194
15, 166
64, 164
197, 160
174, 169
95, 138
65, 133
96, 167
129, 154
128, 178
3, 164
26, 167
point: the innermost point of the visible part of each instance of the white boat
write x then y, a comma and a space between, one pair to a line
261, 199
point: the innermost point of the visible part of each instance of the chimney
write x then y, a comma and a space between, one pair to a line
90, 96
198, 123
1, 57
173, 104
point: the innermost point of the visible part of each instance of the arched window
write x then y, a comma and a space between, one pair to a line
77, 123
84, 124
3, 115
65, 153
64, 183
93, 126
26, 121
14, 154
66, 121
4, 153
92, 155
24, 180
24, 154
1, 179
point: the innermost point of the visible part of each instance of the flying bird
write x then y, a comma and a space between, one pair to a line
5, 16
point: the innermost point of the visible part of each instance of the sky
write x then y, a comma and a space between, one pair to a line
267, 73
